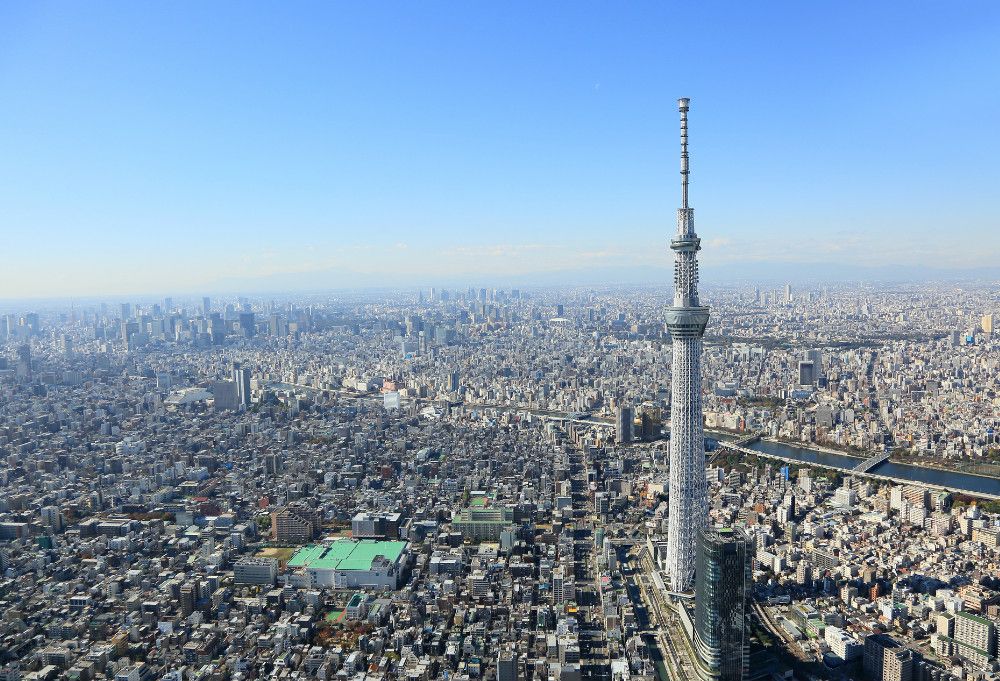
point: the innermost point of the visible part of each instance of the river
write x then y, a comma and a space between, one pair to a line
952, 480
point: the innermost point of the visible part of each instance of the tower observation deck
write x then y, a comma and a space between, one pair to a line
686, 320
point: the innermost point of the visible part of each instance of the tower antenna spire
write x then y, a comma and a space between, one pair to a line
682, 105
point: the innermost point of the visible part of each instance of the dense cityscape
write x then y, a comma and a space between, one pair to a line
473, 484
361, 341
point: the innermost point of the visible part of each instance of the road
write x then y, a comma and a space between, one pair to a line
595, 662
541, 413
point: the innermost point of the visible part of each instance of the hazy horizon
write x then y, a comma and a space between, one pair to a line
801, 276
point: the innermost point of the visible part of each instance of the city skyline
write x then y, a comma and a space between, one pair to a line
174, 150
339, 344
178, 474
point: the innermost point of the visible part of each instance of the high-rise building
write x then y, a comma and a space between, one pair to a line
52, 518
623, 424
241, 377
274, 463
807, 373
248, 325
129, 334
688, 505
33, 324
206, 305
187, 598
987, 324
277, 325
816, 357
651, 426
217, 328
558, 585
898, 664
788, 293
886, 660
296, 523
507, 663
723, 574
803, 573
974, 634
226, 395
22, 369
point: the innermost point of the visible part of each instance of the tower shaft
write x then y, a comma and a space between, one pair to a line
686, 320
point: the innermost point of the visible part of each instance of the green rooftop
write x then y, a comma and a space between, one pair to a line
346, 554
975, 618
306, 555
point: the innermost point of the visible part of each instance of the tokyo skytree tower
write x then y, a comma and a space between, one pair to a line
686, 321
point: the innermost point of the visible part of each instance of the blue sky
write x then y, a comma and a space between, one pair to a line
183, 146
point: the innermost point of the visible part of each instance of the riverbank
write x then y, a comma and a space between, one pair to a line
952, 481
942, 466
851, 454
733, 435
938, 465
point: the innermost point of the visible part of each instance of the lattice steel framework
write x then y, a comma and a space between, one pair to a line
686, 320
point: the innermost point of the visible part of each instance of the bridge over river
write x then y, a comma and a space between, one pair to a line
878, 467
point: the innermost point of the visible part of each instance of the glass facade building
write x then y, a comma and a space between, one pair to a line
721, 582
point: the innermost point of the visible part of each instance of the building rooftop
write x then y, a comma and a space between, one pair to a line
974, 618
346, 554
